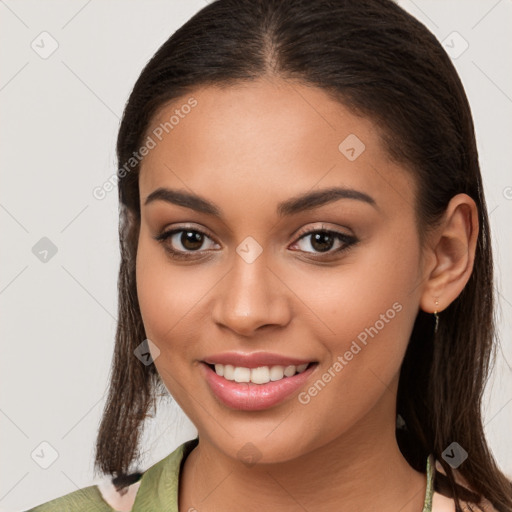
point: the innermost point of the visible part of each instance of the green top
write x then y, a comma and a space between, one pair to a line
158, 490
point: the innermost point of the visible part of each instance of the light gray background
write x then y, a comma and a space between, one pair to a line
59, 118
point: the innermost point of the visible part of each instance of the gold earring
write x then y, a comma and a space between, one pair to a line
436, 316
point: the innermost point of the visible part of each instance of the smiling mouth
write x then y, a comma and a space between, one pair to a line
259, 387
259, 375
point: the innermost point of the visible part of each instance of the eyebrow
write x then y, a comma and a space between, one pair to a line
293, 206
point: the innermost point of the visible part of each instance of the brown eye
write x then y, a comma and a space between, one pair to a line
324, 241
185, 242
191, 240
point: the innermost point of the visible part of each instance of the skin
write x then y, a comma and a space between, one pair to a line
246, 148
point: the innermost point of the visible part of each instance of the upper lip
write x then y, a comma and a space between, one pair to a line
254, 359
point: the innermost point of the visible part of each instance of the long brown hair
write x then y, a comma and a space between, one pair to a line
382, 63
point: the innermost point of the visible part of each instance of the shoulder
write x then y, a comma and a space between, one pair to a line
102, 497
148, 491
88, 498
441, 503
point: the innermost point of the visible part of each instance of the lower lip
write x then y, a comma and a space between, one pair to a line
247, 396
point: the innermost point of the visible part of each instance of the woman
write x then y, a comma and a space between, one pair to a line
306, 268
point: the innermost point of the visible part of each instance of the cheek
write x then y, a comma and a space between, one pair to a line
366, 284
366, 307
167, 295
367, 312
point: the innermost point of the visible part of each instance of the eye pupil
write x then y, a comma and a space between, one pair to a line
191, 240
322, 241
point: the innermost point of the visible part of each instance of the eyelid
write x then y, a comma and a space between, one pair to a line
323, 227
166, 233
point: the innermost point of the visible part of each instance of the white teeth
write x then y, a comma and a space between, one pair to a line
276, 373
229, 372
242, 374
289, 371
260, 375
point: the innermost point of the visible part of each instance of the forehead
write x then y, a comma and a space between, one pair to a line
265, 140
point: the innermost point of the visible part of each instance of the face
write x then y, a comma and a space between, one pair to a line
237, 267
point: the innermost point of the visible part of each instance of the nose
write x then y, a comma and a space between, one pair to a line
251, 296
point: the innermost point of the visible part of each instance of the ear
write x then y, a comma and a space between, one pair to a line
450, 254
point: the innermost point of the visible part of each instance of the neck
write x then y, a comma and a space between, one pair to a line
354, 472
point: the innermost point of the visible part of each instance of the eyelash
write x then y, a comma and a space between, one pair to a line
347, 240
